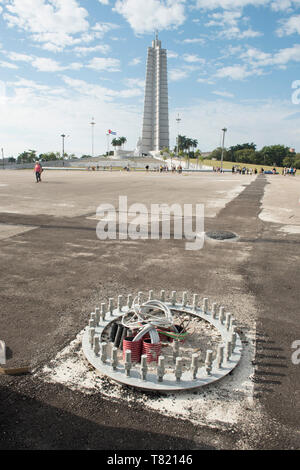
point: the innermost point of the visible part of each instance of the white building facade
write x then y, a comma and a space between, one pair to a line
155, 135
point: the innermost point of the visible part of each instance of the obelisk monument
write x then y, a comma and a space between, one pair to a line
155, 135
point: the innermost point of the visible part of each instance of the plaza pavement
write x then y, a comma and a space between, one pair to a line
54, 271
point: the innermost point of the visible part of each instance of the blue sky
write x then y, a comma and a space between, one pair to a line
231, 63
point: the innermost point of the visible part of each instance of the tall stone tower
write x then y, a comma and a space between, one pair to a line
155, 134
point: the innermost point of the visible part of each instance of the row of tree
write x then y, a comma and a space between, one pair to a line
273, 155
185, 144
183, 150
30, 156
118, 142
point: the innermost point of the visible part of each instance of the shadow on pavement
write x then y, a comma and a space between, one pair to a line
27, 423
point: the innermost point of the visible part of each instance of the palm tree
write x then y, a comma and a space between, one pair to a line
172, 155
199, 157
115, 142
123, 140
194, 143
187, 159
189, 144
181, 142
181, 154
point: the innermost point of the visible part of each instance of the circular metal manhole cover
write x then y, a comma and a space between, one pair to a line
221, 235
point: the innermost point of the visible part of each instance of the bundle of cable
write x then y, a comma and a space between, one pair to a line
152, 350
181, 333
135, 347
164, 335
154, 313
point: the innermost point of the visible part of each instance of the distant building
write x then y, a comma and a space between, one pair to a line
155, 135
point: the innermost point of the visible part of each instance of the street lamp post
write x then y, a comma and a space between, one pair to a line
108, 146
63, 148
93, 125
223, 141
178, 119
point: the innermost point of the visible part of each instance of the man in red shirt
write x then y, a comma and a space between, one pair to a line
38, 171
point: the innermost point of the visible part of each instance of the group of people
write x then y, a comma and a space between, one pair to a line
165, 168
218, 169
245, 170
289, 171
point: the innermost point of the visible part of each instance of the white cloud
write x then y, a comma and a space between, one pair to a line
192, 58
135, 82
254, 56
228, 4
52, 22
104, 63
284, 5
289, 26
235, 72
208, 81
104, 2
43, 64
228, 21
177, 74
98, 91
104, 27
146, 16
194, 41
83, 50
38, 119
258, 58
286, 55
135, 61
24, 83
235, 32
223, 94
257, 121
30, 86
276, 5
7, 65
172, 54
17, 57
257, 62
39, 116
224, 18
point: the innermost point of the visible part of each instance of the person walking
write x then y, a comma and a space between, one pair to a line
38, 172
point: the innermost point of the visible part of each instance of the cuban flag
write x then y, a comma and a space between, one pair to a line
111, 132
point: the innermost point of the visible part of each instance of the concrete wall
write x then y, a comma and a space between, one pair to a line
134, 163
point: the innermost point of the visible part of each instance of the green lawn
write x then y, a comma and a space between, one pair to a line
228, 165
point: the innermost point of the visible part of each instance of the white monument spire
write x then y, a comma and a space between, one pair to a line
155, 134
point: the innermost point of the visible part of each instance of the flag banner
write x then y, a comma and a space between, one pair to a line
112, 132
